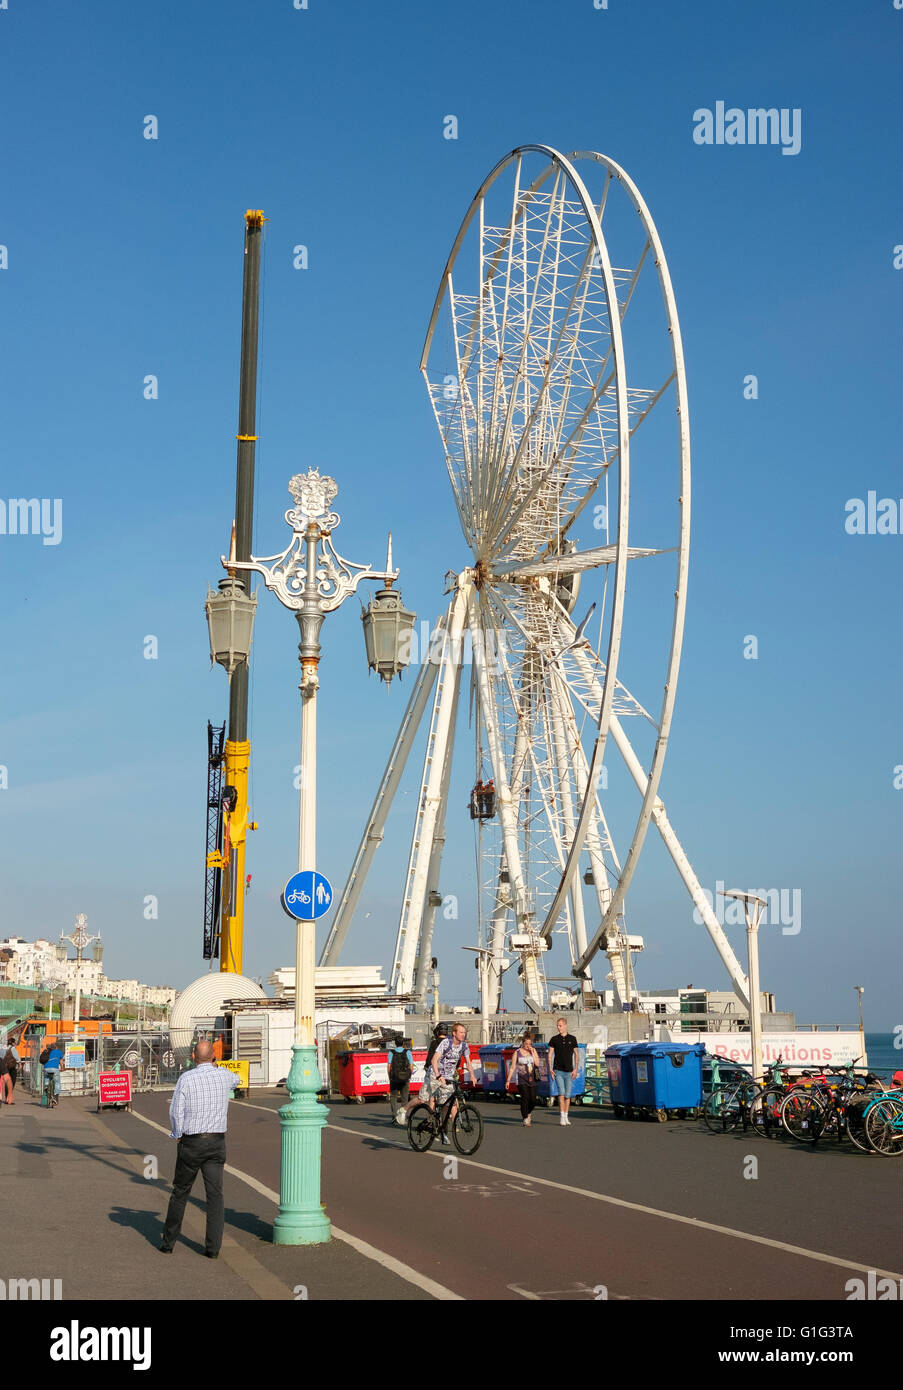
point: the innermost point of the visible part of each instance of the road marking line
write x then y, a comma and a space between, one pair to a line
406, 1272
646, 1211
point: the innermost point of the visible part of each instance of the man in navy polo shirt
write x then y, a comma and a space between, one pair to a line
563, 1061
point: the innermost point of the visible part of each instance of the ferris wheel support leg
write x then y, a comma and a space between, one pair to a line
558, 701
411, 919
379, 811
534, 990
435, 865
493, 973
684, 867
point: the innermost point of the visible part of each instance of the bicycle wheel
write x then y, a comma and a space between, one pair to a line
765, 1112
884, 1127
467, 1129
856, 1130
722, 1109
421, 1128
803, 1116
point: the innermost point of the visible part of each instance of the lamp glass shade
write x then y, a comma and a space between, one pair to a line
230, 620
387, 633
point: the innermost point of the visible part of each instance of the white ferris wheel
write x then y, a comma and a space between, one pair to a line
554, 364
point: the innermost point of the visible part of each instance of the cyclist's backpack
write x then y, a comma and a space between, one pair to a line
399, 1068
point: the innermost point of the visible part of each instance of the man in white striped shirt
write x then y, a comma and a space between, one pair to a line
197, 1115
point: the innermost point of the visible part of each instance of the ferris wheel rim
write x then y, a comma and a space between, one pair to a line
656, 767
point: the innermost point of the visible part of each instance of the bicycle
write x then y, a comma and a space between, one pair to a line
822, 1106
884, 1124
743, 1101
50, 1095
425, 1125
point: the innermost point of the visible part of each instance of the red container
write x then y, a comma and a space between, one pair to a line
363, 1074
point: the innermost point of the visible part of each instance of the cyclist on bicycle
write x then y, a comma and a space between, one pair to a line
50, 1060
427, 1093
450, 1053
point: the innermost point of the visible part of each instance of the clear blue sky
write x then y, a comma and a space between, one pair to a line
124, 259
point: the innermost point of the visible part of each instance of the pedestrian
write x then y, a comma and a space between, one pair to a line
524, 1070
563, 1061
401, 1069
9, 1066
197, 1115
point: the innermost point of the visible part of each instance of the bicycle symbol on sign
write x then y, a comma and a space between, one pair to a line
297, 896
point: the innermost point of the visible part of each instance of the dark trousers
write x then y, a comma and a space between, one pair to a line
527, 1090
399, 1095
206, 1152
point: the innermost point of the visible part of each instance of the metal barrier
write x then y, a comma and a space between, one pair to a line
148, 1056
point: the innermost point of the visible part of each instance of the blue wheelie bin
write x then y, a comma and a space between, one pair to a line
620, 1079
494, 1067
667, 1078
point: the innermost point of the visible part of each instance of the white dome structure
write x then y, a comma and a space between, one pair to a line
203, 1000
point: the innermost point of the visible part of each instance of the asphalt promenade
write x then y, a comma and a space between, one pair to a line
81, 1205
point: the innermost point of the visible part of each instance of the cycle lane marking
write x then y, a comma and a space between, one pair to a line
696, 1222
381, 1257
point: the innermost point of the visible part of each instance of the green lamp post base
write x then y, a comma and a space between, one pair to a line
301, 1219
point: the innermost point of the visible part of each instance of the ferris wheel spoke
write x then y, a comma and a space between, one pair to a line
557, 474
530, 297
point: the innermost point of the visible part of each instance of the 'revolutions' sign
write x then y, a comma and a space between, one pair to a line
795, 1049
115, 1087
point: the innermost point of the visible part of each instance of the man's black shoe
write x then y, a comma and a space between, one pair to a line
212, 1254
166, 1249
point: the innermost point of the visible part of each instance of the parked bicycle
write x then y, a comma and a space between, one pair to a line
743, 1101
426, 1125
829, 1106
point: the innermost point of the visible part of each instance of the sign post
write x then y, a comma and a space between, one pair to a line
301, 1219
114, 1088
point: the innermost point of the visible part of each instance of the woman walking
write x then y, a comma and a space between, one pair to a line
524, 1070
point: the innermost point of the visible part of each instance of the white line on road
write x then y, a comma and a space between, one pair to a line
412, 1276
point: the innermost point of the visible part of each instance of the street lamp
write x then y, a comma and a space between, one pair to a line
755, 998
50, 987
860, 990
312, 579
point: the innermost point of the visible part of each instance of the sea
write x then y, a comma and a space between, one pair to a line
883, 1055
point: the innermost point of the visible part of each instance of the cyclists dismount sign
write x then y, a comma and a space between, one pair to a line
307, 895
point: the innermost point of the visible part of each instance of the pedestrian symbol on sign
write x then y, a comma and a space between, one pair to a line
307, 895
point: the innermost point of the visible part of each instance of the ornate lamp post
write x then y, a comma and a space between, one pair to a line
80, 939
311, 579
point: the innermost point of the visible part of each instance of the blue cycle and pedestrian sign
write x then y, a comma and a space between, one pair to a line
307, 895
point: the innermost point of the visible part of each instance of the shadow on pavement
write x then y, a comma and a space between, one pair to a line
54, 1142
147, 1223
